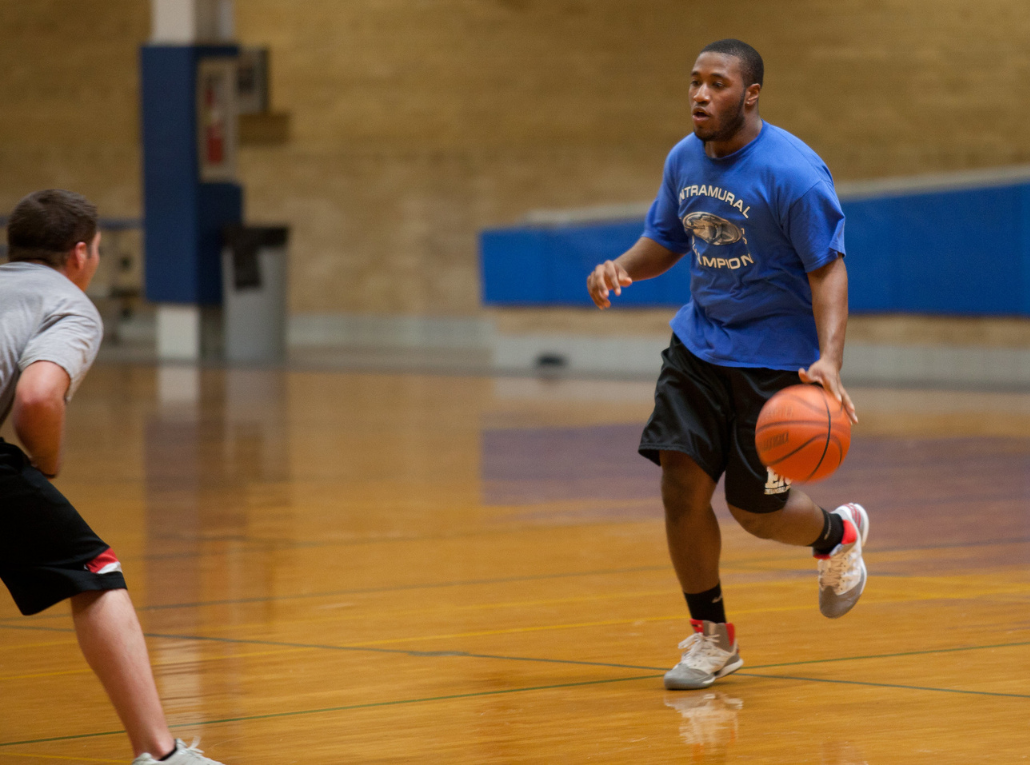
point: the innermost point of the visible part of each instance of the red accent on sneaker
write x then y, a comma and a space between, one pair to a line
731, 631
102, 561
850, 533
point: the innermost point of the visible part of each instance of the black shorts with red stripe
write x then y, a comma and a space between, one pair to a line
47, 552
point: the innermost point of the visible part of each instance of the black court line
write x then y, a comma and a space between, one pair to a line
953, 545
899, 655
269, 544
557, 686
352, 649
543, 660
889, 685
266, 544
372, 590
749, 565
259, 544
372, 705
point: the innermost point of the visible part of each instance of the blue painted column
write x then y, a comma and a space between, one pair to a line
183, 215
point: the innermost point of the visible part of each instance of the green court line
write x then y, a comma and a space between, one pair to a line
451, 697
396, 702
544, 660
749, 565
889, 685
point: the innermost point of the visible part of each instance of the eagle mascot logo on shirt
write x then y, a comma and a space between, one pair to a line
711, 228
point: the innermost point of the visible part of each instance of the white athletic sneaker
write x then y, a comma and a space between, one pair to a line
842, 573
183, 755
710, 653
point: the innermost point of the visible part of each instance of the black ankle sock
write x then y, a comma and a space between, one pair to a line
167, 756
833, 534
707, 605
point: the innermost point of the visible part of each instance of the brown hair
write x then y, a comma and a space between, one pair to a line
45, 225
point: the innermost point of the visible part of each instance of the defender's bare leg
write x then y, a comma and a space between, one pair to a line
112, 642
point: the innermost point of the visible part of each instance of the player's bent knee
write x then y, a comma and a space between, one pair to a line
683, 478
759, 524
676, 511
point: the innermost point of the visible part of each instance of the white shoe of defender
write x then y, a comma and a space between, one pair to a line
183, 755
842, 573
710, 653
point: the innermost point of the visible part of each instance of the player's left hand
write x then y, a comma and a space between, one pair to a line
826, 373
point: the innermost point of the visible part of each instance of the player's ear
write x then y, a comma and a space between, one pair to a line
77, 257
752, 93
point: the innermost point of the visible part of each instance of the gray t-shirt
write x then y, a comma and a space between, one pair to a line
43, 317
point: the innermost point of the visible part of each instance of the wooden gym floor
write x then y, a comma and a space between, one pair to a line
358, 568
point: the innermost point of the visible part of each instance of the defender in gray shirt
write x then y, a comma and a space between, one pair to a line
49, 336
43, 317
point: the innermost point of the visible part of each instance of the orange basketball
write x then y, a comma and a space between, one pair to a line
803, 433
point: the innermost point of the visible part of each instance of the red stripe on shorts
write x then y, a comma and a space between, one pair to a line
105, 563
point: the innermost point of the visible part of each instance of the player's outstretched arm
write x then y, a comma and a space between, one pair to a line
644, 260
38, 414
830, 306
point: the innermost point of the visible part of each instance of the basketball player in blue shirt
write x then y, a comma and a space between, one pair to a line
755, 211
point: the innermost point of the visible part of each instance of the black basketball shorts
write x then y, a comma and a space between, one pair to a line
47, 552
709, 413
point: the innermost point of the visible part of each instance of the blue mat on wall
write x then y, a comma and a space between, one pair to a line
963, 251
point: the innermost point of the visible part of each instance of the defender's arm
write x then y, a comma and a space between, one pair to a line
38, 414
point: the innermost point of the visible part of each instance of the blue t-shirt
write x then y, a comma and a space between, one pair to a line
754, 222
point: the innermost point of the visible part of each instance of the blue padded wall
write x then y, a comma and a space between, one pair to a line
183, 217
963, 251
954, 252
549, 265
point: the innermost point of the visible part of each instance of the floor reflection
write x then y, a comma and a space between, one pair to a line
215, 456
841, 753
709, 724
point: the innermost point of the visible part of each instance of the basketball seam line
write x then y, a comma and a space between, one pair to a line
787, 456
826, 446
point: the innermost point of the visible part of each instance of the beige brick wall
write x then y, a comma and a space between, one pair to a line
68, 99
415, 123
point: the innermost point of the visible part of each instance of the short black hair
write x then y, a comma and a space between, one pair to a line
751, 65
46, 224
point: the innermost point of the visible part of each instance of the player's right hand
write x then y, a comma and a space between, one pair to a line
606, 277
